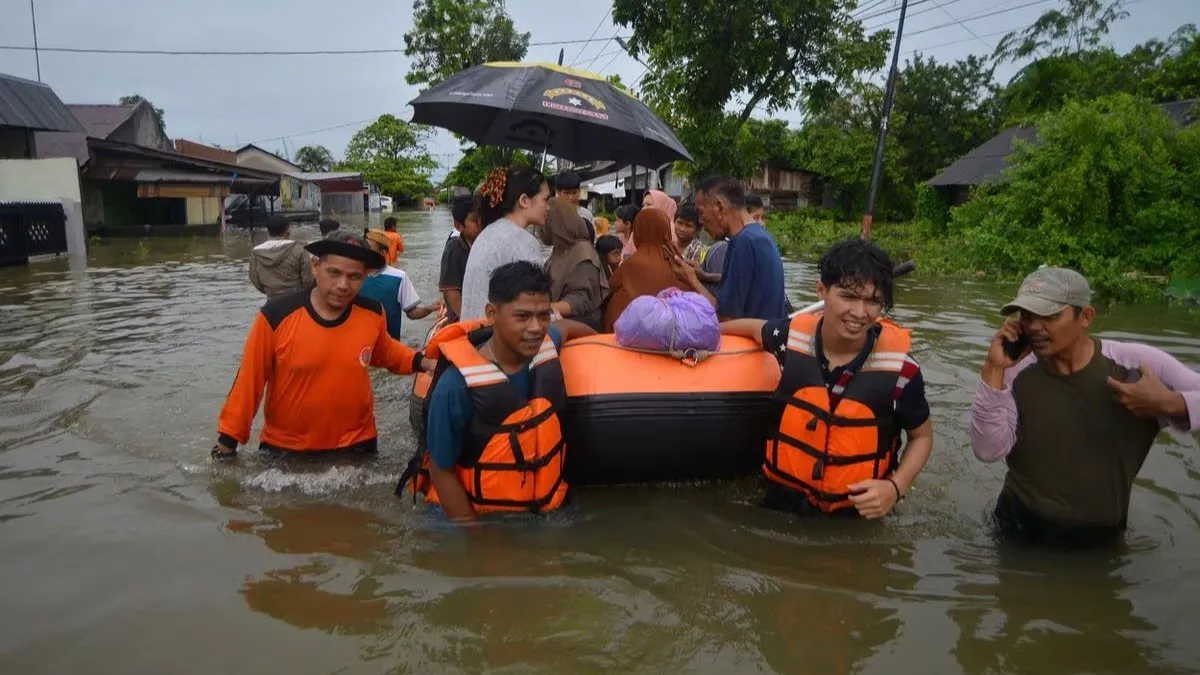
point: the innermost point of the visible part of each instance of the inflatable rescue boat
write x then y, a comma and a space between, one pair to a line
640, 417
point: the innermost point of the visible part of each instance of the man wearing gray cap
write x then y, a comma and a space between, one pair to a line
1073, 416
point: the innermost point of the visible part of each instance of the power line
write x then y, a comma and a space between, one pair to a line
602, 53
964, 26
594, 31
976, 17
215, 52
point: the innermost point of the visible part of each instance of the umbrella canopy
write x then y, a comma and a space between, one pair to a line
569, 113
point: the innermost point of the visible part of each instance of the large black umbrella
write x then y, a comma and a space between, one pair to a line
568, 113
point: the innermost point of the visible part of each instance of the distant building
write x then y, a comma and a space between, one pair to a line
40, 208
344, 192
987, 162
297, 195
133, 181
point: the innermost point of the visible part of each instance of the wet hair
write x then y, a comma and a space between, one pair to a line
729, 188
462, 207
607, 244
568, 180
329, 225
389, 223
277, 226
853, 263
511, 280
753, 201
687, 213
518, 181
628, 212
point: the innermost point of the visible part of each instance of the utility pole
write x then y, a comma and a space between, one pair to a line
37, 58
876, 169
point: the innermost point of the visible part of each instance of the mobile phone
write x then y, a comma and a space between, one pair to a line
1014, 349
1132, 375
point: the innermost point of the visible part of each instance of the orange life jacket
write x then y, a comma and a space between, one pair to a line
513, 449
819, 449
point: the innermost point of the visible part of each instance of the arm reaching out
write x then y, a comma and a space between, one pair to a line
258, 360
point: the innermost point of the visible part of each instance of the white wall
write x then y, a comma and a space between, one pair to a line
47, 180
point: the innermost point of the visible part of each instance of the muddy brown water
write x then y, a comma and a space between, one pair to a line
123, 549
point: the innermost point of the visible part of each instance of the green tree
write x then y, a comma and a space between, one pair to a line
136, 99
391, 152
755, 54
449, 36
1080, 26
477, 161
948, 110
838, 143
314, 158
1109, 188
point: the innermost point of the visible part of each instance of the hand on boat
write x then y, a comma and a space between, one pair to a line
873, 498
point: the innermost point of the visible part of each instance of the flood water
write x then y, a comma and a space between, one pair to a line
123, 549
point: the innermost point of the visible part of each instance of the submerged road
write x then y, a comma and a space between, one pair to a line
123, 549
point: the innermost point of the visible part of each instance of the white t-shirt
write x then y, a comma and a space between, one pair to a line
406, 295
500, 243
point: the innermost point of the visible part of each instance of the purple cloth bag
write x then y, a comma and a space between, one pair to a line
673, 320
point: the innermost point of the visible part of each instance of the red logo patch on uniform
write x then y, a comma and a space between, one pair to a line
364, 356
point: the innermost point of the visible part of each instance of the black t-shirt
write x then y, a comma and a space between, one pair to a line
912, 408
454, 266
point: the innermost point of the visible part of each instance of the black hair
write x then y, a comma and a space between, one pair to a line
461, 207
854, 263
607, 244
277, 226
628, 212
687, 213
329, 225
511, 280
753, 201
519, 180
731, 189
568, 180
389, 223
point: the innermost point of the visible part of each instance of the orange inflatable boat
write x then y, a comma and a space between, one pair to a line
638, 417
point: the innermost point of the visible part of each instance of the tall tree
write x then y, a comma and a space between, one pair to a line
136, 99
1080, 25
449, 36
391, 152
314, 158
753, 54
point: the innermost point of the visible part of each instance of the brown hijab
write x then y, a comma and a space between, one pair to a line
648, 270
568, 234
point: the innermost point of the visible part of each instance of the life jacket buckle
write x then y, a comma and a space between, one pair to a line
818, 471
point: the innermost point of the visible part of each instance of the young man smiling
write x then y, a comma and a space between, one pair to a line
309, 351
850, 389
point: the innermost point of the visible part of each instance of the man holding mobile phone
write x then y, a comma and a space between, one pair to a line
1070, 415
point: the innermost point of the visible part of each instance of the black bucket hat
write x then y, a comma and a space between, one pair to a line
347, 245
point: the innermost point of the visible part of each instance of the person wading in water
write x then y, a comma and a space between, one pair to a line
1073, 416
850, 388
309, 351
492, 440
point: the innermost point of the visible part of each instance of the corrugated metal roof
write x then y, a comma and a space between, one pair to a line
33, 105
98, 121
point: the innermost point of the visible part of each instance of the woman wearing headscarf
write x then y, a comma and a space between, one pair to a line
659, 200
578, 285
648, 271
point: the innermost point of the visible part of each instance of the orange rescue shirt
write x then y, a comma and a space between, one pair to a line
395, 248
315, 373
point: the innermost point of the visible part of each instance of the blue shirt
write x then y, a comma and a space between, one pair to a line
395, 291
451, 410
752, 277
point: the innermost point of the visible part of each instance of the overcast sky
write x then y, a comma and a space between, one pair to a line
324, 99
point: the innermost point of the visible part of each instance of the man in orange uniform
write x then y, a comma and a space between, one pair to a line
850, 388
310, 350
396, 245
492, 440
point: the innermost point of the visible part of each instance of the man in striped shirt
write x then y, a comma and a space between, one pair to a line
856, 285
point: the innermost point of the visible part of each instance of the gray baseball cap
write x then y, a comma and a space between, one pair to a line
1050, 290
